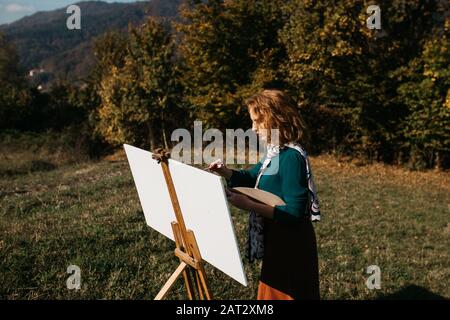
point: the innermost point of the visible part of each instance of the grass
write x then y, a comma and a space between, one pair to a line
88, 214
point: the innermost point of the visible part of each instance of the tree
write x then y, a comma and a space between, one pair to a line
341, 71
141, 99
14, 96
109, 50
230, 50
426, 93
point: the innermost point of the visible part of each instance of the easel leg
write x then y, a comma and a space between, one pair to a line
186, 273
201, 274
199, 286
188, 283
195, 278
165, 289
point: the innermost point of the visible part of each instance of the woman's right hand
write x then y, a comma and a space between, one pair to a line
220, 168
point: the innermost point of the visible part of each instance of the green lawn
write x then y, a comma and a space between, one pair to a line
88, 214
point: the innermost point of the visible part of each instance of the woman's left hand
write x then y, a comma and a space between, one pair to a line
239, 200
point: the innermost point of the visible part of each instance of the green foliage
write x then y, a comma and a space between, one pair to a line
344, 76
377, 94
140, 100
109, 50
339, 67
426, 93
13, 94
43, 40
230, 49
9, 62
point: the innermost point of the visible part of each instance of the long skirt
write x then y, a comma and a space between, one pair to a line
290, 267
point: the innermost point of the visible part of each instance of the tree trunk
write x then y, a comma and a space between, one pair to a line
151, 136
164, 130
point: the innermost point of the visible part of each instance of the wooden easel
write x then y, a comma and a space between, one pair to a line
191, 262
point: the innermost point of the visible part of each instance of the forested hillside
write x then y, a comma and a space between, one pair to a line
43, 41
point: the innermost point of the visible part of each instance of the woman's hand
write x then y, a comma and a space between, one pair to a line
239, 200
220, 168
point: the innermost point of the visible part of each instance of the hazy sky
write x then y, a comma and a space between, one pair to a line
12, 10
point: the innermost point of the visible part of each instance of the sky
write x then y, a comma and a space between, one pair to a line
12, 10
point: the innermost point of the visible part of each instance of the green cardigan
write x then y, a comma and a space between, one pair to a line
285, 177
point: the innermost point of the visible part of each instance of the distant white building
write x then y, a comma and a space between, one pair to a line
34, 72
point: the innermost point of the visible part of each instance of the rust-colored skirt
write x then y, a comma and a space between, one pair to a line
290, 267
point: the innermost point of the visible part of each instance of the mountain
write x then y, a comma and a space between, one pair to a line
43, 40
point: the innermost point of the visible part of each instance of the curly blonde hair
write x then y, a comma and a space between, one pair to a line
276, 110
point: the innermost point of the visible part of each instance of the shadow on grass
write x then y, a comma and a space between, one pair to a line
412, 292
32, 166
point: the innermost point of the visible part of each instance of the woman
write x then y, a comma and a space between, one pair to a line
283, 236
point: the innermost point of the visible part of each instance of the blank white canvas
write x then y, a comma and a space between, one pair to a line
203, 203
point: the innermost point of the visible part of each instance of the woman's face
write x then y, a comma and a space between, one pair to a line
258, 125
